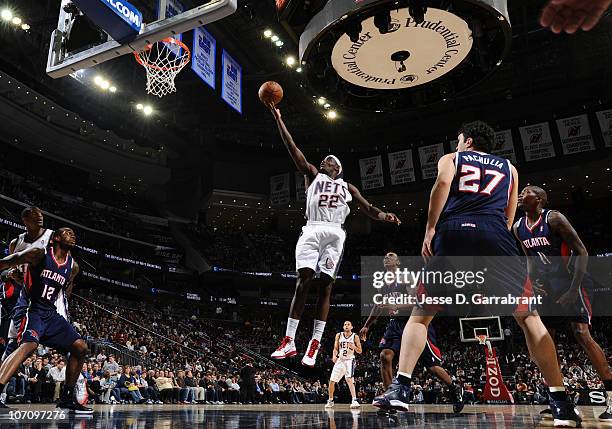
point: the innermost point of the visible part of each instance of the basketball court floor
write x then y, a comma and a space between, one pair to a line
291, 416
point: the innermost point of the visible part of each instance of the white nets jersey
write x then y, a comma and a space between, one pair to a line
327, 200
343, 346
41, 243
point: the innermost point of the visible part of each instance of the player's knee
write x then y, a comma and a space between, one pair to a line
79, 348
386, 357
582, 334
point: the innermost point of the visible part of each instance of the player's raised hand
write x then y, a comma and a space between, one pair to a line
275, 111
392, 217
571, 15
363, 333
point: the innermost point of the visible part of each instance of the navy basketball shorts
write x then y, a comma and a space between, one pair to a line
555, 315
46, 327
482, 246
392, 338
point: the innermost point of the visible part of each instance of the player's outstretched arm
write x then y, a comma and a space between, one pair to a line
571, 15
437, 199
297, 155
374, 313
30, 256
561, 226
371, 211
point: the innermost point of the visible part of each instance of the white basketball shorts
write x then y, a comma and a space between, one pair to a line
343, 368
320, 248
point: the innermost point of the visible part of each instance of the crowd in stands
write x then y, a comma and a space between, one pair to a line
143, 354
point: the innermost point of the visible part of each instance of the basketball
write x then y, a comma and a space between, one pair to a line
270, 92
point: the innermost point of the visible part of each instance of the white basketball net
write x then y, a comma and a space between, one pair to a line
163, 60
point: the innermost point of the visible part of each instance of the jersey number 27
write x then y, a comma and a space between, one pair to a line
470, 180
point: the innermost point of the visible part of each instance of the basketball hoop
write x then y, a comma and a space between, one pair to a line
482, 339
163, 60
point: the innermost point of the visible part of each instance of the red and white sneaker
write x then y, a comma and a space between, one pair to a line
311, 353
285, 350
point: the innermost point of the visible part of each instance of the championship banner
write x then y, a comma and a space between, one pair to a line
575, 134
537, 142
231, 86
401, 167
605, 123
429, 157
504, 146
300, 187
371, 172
279, 189
204, 54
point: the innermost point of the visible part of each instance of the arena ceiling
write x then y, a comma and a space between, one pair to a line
545, 75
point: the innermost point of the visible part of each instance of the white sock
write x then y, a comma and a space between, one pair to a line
292, 325
405, 374
319, 327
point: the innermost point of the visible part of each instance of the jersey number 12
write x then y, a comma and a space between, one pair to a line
48, 292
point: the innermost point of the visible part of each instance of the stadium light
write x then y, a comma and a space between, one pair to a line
321, 101
299, 70
113, 89
105, 85
147, 110
279, 43
6, 14
268, 33
274, 38
25, 27
16, 20
332, 115
290, 60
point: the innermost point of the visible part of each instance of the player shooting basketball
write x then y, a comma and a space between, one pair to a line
320, 246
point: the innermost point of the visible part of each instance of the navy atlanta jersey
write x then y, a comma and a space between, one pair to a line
547, 250
44, 282
481, 186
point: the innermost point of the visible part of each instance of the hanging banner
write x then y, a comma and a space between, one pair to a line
575, 134
371, 172
401, 167
429, 157
537, 141
504, 146
231, 87
605, 123
204, 54
300, 187
279, 189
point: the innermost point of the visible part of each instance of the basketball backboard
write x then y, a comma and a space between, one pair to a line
150, 20
470, 327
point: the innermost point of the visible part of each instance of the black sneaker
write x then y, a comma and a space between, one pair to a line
456, 393
606, 416
74, 407
546, 414
396, 397
564, 414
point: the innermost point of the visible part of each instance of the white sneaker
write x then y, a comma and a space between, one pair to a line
285, 350
330, 404
355, 404
312, 351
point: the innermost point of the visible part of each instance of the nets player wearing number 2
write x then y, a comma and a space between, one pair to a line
50, 271
346, 345
320, 246
551, 243
471, 209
